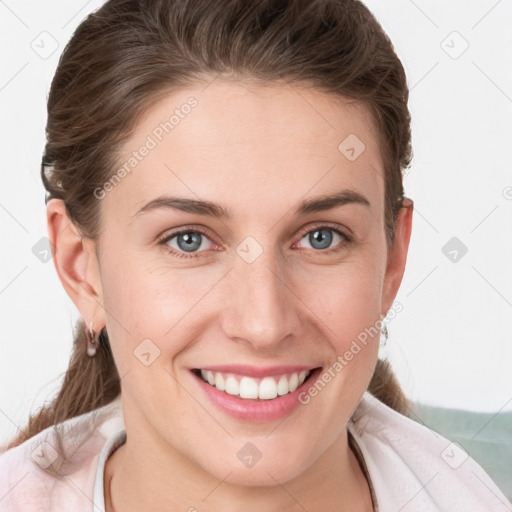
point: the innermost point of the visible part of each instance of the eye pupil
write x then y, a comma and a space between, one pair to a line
192, 241
316, 236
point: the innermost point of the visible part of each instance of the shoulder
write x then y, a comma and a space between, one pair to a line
414, 468
38, 476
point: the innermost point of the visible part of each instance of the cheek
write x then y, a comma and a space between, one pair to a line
347, 300
348, 306
145, 301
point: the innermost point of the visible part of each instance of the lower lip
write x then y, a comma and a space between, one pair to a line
256, 409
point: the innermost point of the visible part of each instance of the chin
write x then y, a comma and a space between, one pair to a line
249, 467
261, 475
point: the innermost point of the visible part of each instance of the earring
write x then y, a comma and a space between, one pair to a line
92, 342
384, 330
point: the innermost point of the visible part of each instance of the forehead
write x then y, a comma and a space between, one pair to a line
250, 144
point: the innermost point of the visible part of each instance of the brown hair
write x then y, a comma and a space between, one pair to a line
130, 53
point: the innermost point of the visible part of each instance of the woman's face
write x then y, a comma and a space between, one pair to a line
260, 285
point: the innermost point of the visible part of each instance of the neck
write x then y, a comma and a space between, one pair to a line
334, 481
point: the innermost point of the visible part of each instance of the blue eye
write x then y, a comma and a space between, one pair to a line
190, 241
322, 237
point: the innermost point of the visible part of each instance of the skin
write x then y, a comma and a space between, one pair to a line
258, 151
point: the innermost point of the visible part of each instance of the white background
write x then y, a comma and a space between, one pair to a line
451, 345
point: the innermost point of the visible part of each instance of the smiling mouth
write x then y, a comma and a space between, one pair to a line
242, 386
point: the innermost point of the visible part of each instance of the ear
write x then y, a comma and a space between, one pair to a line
76, 264
397, 255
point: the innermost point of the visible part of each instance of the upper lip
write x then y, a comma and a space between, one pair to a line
257, 371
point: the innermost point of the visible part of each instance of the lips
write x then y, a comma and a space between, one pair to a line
261, 388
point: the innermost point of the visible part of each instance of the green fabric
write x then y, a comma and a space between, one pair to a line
486, 437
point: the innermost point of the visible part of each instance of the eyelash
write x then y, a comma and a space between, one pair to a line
335, 227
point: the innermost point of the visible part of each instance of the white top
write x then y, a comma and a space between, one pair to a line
112, 444
410, 467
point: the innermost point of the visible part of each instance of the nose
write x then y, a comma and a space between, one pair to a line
262, 306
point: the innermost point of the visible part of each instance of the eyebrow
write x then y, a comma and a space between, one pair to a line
203, 207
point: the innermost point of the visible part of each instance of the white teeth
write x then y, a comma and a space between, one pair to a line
247, 387
232, 386
282, 386
268, 388
293, 383
219, 382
